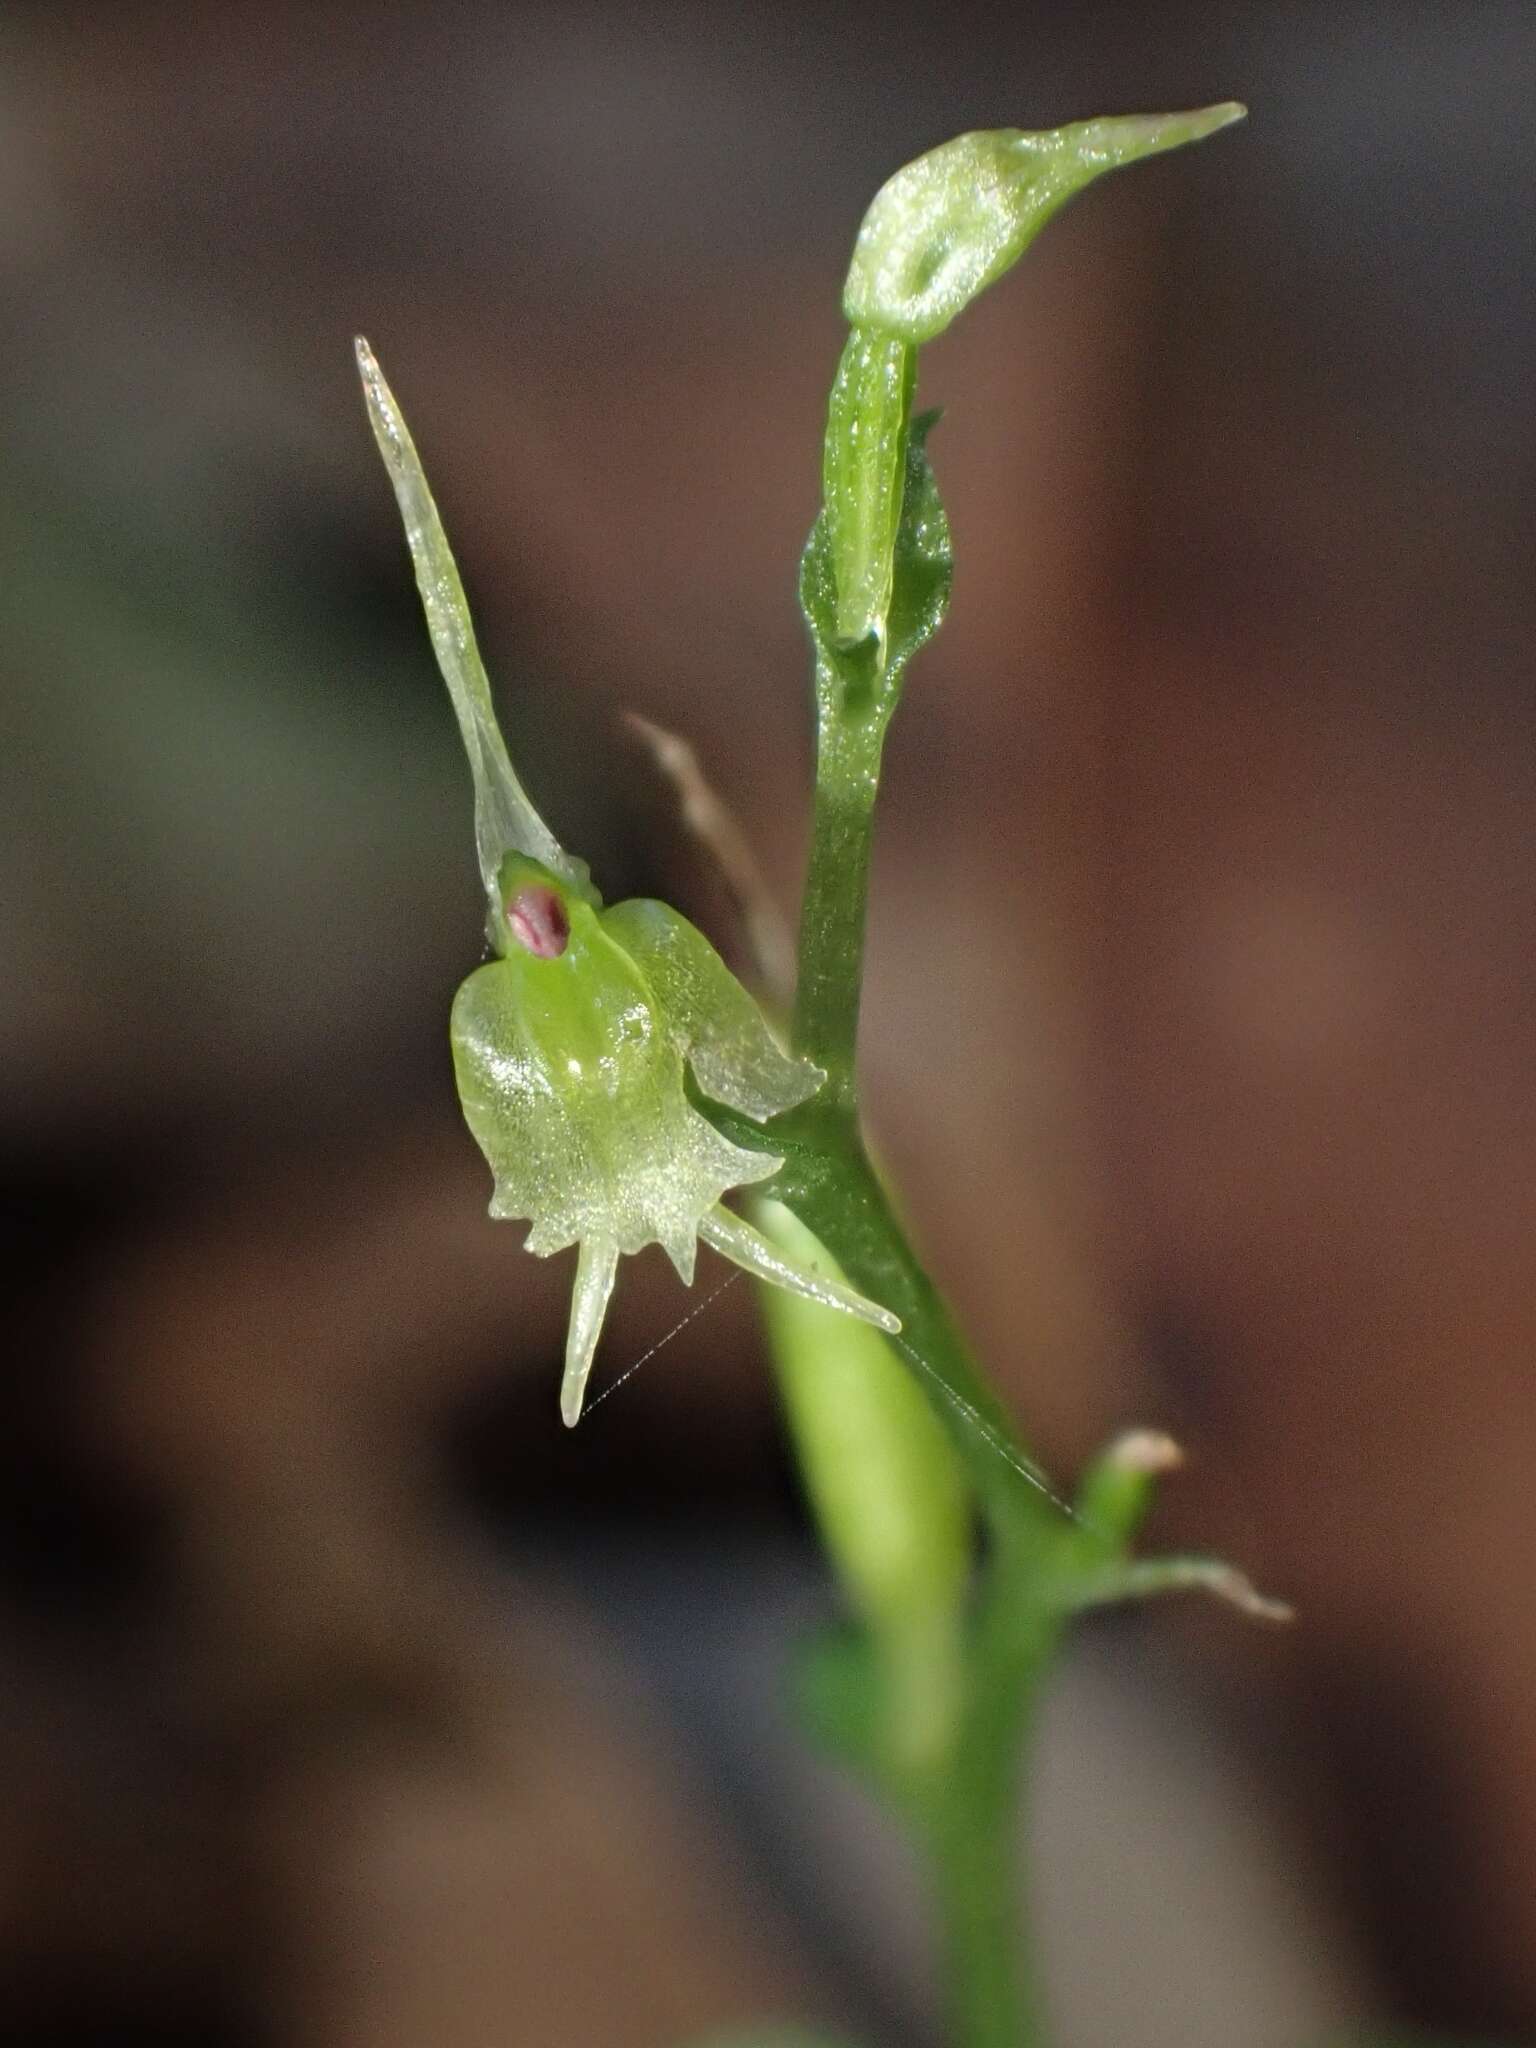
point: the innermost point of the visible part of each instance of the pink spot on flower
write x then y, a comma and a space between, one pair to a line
536, 919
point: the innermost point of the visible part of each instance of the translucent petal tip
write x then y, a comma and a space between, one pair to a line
596, 1266
1208, 119
505, 820
739, 1241
369, 371
1128, 136
1200, 121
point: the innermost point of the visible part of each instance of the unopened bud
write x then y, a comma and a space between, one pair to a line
951, 223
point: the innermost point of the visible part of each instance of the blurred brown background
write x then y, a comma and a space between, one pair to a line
344, 1699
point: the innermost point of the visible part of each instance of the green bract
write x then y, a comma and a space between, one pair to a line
949, 224
861, 685
862, 461
570, 1047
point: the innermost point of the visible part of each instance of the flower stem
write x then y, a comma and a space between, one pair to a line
990, 1988
966, 1805
832, 917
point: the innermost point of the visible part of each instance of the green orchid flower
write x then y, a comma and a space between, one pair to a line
570, 1046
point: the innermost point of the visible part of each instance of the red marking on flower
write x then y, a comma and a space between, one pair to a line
536, 919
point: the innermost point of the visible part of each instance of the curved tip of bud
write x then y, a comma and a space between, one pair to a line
1145, 1451
1221, 115
1125, 137
1239, 1591
368, 368
950, 224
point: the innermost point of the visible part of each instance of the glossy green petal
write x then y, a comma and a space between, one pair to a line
712, 1020
569, 1055
573, 1087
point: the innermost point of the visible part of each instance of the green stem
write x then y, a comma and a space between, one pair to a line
874, 587
832, 917
828, 1178
991, 1991
970, 1805
964, 1797
971, 1818
829, 1181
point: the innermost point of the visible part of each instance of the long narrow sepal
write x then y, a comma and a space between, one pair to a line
748, 1248
505, 819
596, 1266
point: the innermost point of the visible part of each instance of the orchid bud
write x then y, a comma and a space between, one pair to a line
951, 223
